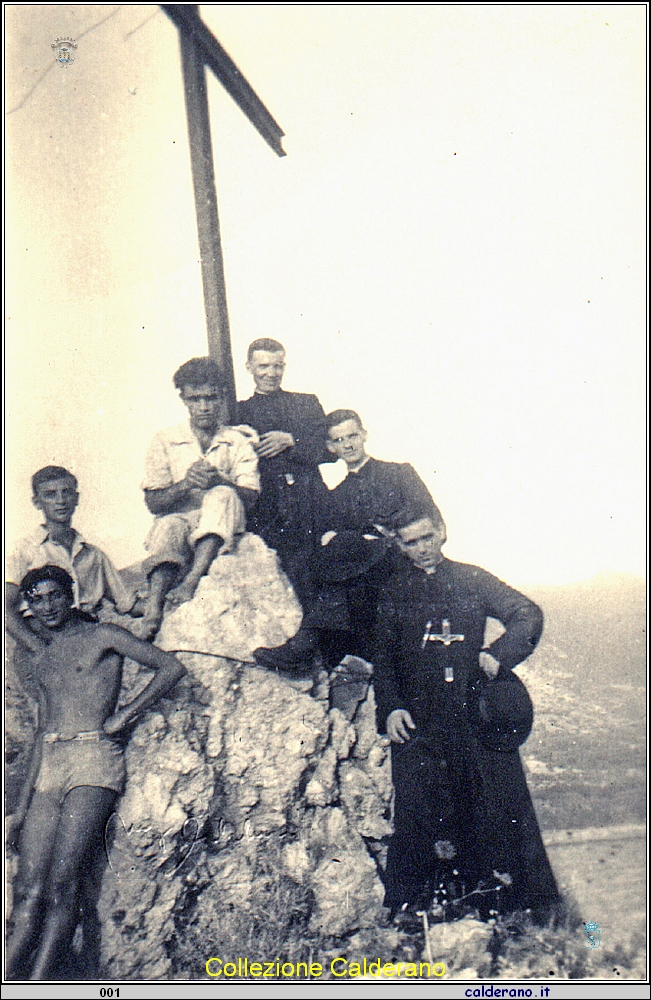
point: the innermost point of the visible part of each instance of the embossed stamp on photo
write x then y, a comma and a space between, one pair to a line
64, 50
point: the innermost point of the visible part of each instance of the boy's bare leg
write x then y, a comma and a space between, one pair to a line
82, 822
35, 850
161, 580
91, 926
204, 552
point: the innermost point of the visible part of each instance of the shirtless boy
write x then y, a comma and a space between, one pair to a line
77, 771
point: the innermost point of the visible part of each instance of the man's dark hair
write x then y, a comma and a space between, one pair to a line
341, 416
199, 371
56, 574
49, 474
264, 344
417, 512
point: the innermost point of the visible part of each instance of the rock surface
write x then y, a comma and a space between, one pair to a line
244, 786
257, 802
243, 603
239, 767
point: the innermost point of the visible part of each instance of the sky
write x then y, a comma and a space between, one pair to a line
454, 246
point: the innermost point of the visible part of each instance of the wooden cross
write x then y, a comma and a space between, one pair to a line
200, 48
447, 638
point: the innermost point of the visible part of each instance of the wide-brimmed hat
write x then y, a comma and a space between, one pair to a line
500, 711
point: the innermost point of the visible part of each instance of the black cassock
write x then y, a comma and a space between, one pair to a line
375, 495
358, 561
290, 483
464, 821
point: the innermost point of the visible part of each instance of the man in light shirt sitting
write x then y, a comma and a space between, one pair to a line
201, 478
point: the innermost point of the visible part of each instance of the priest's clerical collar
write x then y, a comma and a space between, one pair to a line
360, 466
256, 392
429, 570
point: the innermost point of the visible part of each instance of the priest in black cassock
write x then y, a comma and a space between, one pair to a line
356, 555
466, 833
291, 426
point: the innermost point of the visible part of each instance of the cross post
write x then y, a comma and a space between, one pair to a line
199, 48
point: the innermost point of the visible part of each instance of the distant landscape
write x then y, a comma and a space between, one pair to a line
586, 756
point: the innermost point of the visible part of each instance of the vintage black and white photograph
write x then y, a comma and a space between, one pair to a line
325, 340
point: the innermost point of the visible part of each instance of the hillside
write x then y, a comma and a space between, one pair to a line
586, 754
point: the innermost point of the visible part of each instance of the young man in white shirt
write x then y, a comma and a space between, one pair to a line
201, 477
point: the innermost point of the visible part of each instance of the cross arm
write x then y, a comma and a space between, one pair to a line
187, 20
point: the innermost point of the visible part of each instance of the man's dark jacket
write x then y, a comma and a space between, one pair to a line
375, 494
352, 568
449, 789
290, 483
409, 671
366, 500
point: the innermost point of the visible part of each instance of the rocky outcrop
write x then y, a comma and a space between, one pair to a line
239, 767
244, 602
247, 791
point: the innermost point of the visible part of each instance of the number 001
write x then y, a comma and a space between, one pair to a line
109, 993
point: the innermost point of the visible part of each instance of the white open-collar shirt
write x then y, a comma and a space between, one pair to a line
175, 449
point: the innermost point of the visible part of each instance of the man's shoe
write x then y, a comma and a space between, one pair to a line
407, 919
296, 652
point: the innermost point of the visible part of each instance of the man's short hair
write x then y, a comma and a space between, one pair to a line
58, 575
264, 344
341, 416
411, 514
199, 371
49, 474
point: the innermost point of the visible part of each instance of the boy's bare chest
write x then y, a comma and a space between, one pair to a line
76, 661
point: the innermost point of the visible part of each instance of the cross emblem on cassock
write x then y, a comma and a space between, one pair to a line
446, 638
200, 48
